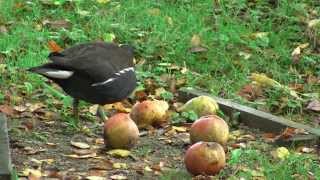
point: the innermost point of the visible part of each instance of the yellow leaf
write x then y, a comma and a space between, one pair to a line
120, 165
195, 41
147, 168
179, 129
119, 152
80, 145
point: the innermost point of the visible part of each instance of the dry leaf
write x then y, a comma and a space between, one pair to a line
296, 53
57, 24
93, 109
118, 106
32, 174
148, 169
7, 110
314, 105
259, 35
80, 145
119, 152
83, 151
20, 108
245, 55
179, 129
3, 29
92, 155
118, 177
195, 41
313, 23
120, 165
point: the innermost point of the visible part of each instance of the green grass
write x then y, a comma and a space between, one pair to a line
224, 28
161, 32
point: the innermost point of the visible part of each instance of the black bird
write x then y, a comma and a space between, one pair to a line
98, 72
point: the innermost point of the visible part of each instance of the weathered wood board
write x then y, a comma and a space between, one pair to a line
5, 160
249, 116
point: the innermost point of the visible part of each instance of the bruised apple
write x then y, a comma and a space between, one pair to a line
120, 132
205, 158
149, 112
201, 105
211, 129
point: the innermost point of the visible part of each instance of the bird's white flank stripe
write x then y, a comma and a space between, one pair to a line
59, 74
118, 74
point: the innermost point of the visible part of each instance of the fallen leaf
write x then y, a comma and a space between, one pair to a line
118, 177
119, 152
198, 49
20, 108
95, 178
195, 40
3, 29
54, 47
313, 23
179, 129
120, 165
34, 107
314, 105
118, 106
148, 169
80, 145
245, 55
296, 53
306, 149
82, 151
259, 35
92, 155
57, 24
7, 110
93, 109
31, 151
32, 174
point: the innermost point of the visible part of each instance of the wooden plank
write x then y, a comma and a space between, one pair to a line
249, 116
5, 160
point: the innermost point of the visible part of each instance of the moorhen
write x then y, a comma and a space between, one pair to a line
98, 73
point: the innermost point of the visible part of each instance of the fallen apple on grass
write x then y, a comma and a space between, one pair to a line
201, 105
205, 158
149, 112
120, 132
210, 129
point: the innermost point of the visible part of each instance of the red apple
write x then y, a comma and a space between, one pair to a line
149, 112
210, 129
120, 132
205, 158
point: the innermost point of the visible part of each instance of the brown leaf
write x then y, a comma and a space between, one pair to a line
314, 105
7, 110
57, 24
141, 95
250, 92
198, 49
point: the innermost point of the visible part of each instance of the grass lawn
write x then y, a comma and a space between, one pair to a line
235, 38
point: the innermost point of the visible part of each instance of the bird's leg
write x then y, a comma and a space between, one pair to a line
101, 114
75, 108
